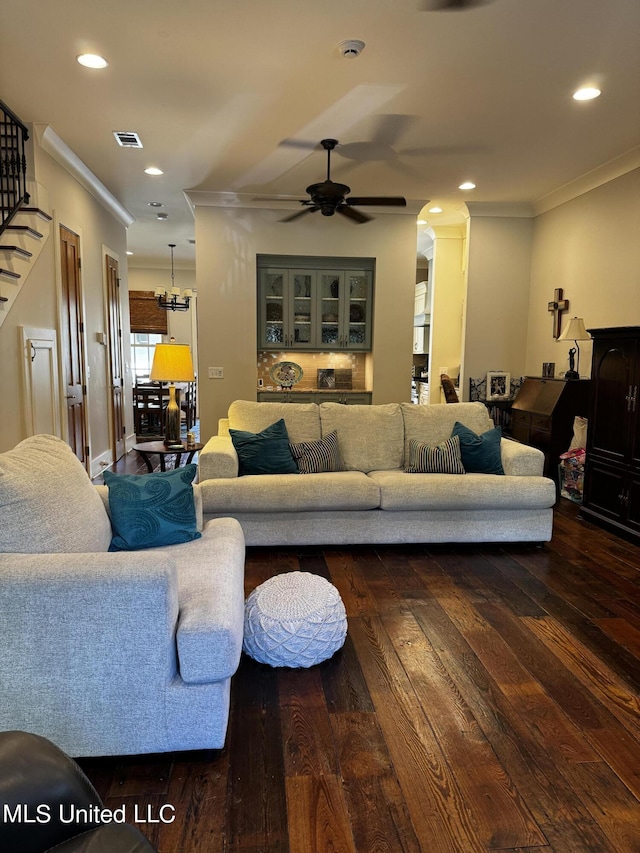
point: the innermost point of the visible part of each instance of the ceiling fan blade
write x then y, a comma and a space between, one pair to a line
449, 5
305, 144
390, 128
380, 201
276, 198
351, 213
299, 213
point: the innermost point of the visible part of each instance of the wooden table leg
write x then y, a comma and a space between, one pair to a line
145, 456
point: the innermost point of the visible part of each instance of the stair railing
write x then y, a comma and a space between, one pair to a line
13, 165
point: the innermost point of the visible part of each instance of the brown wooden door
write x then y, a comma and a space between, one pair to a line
612, 419
115, 359
72, 343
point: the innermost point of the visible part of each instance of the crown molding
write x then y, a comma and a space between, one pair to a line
507, 210
58, 149
602, 174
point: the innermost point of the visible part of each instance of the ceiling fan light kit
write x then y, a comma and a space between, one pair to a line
330, 197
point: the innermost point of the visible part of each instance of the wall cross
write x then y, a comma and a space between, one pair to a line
557, 307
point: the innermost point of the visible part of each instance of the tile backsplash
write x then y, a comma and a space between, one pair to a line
311, 362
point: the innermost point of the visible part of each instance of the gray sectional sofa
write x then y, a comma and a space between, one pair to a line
374, 500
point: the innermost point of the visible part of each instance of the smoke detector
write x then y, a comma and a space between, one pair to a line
351, 48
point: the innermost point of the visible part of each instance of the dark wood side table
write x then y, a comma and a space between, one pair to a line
149, 448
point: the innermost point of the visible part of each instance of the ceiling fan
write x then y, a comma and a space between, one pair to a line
329, 197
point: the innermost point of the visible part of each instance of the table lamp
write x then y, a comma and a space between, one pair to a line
172, 363
575, 332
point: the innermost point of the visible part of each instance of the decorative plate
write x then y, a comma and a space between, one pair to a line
286, 373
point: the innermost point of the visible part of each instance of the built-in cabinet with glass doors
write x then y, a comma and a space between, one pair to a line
315, 309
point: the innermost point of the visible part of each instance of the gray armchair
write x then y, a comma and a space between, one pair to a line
110, 653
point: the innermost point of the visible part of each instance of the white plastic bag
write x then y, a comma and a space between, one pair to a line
579, 433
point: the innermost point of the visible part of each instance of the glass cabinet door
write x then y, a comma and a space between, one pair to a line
301, 286
286, 313
330, 287
272, 307
357, 310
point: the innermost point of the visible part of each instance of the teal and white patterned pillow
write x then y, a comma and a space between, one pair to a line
445, 458
152, 510
315, 457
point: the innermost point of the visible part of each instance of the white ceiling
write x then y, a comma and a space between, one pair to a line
214, 88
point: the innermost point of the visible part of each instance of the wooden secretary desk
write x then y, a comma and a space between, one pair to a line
542, 415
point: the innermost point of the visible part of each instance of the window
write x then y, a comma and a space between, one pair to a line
142, 349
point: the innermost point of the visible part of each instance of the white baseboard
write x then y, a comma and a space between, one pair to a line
105, 460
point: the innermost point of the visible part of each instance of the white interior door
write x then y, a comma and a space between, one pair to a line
41, 398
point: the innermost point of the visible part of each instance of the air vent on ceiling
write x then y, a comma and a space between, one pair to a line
127, 139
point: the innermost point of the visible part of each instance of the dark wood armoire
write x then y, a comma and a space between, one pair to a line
612, 471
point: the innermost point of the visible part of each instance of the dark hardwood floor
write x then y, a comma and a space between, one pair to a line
486, 699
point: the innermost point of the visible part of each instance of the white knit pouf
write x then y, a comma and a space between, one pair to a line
295, 619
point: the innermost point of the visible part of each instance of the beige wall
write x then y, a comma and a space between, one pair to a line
589, 246
227, 242
497, 294
37, 304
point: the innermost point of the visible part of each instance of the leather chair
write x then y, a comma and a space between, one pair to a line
37, 780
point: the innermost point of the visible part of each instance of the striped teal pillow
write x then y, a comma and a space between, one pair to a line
445, 458
315, 457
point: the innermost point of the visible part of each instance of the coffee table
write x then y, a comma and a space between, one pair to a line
149, 448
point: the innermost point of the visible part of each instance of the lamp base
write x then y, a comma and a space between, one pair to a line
172, 419
572, 374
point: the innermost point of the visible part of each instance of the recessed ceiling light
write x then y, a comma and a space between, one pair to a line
129, 253
162, 216
92, 60
152, 170
435, 210
421, 222
467, 185
155, 204
588, 93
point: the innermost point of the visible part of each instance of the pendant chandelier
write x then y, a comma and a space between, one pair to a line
175, 300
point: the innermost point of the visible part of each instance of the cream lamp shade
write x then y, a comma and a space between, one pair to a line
575, 331
172, 363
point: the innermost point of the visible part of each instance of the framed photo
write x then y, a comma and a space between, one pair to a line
498, 385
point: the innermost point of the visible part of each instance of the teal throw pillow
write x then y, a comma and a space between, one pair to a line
152, 510
480, 453
265, 452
